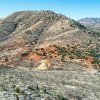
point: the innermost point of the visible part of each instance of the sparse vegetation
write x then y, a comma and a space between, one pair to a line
24, 54
96, 61
60, 97
51, 85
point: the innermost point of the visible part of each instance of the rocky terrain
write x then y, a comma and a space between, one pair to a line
92, 23
48, 56
27, 84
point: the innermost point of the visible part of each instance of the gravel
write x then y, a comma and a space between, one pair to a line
26, 84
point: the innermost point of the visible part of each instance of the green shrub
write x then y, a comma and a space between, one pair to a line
78, 53
43, 88
24, 54
96, 61
60, 97
93, 53
17, 90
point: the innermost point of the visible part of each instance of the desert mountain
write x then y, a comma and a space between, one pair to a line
93, 23
0, 19
28, 38
43, 40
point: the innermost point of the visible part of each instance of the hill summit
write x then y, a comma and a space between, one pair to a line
28, 37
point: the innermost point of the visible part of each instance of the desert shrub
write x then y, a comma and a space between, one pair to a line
71, 57
28, 32
41, 54
67, 45
44, 89
17, 97
24, 54
78, 53
62, 28
42, 48
3, 87
17, 90
6, 59
93, 52
55, 46
13, 86
62, 50
96, 34
63, 58
37, 49
60, 97
96, 61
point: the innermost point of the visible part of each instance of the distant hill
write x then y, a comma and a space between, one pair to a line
93, 23
27, 37
0, 19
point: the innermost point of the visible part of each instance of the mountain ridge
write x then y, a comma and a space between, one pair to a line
92, 23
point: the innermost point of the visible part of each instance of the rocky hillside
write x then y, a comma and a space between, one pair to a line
43, 39
67, 52
93, 23
25, 84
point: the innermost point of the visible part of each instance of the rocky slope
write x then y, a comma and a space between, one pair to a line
44, 38
93, 23
24, 84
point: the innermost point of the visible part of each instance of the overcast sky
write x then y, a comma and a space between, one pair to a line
75, 9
